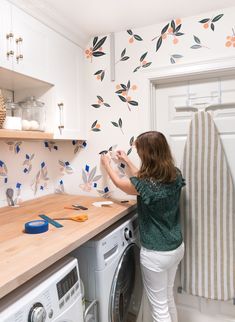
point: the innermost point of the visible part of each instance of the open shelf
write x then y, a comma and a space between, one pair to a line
25, 135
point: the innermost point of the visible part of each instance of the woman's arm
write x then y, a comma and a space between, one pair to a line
122, 156
123, 184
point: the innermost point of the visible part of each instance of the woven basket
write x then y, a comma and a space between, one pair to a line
2, 111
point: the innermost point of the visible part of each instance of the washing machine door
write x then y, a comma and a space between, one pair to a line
126, 290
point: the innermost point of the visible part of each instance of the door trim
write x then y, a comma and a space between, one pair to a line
224, 66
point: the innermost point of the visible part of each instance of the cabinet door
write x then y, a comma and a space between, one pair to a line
64, 57
30, 38
6, 36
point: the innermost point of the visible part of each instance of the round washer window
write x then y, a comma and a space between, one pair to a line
126, 290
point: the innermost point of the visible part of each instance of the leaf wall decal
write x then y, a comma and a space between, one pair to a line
196, 46
125, 58
123, 52
102, 75
122, 98
98, 53
137, 37
197, 40
217, 18
100, 43
134, 103
84, 176
92, 174
204, 20
143, 56
98, 72
100, 98
159, 42
94, 124
146, 65
164, 29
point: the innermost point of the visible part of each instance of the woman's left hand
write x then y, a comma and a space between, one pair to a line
105, 159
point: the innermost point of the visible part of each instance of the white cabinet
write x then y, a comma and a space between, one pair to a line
7, 45
65, 72
36, 51
30, 37
23, 42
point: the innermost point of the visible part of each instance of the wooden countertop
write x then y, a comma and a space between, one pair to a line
23, 256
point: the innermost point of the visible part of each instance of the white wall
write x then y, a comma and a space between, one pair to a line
207, 45
213, 45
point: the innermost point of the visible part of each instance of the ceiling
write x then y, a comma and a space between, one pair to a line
80, 20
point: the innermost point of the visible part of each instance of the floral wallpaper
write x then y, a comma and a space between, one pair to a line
36, 169
116, 111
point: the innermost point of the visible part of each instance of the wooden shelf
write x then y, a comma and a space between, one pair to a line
25, 135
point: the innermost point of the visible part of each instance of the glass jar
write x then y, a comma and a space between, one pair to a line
13, 119
33, 114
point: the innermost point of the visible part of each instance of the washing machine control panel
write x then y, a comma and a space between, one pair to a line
65, 284
37, 313
128, 233
52, 294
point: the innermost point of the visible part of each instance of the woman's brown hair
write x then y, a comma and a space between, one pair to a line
156, 158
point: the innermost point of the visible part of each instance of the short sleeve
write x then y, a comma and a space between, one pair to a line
141, 188
152, 192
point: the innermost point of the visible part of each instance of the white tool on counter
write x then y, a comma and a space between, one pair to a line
102, 203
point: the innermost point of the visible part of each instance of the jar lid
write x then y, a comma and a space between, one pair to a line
11, 105
31, 102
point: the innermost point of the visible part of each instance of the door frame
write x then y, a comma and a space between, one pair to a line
224, 66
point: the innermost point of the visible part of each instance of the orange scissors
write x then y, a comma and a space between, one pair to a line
79, 218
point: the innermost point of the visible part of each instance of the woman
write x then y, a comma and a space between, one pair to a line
157, 185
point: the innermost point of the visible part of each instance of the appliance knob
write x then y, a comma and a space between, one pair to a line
37, 313
127, 233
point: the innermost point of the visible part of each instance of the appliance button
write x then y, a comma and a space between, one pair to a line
67, 297
50, 313
61, 304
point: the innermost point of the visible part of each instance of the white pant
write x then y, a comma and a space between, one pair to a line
158, 272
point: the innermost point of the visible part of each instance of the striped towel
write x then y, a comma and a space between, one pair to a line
208, 214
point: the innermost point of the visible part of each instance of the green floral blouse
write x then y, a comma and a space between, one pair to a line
158, 211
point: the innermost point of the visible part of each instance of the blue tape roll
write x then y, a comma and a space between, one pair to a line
36, 227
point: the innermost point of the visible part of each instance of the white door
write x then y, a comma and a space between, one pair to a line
31, 42
65, 73
6, 36
173, 120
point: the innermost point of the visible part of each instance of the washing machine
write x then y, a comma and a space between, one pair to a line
110, 270
54, 295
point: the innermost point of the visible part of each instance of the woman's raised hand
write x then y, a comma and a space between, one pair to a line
105, 159
122, 156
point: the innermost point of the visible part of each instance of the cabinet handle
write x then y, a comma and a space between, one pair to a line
9, 38
19, 40
10, 35
61, 110
19, 55
10, 53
